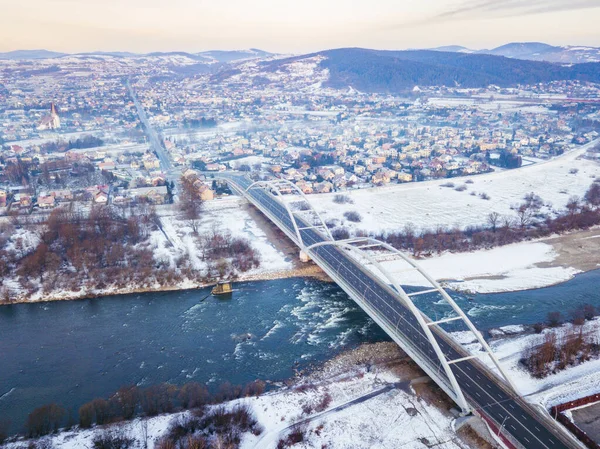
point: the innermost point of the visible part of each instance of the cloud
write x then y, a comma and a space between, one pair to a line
510, 8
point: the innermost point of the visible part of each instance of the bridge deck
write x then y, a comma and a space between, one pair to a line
520, 424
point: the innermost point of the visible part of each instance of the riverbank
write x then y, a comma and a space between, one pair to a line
516, 267
509, 344
352, 397
305, 271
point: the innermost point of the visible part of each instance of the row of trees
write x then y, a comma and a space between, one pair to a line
88, 141
129, 402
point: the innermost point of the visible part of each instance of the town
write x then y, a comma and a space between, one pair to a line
231, 220
71, 137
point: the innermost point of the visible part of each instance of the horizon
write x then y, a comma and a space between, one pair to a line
194, 52
80, 26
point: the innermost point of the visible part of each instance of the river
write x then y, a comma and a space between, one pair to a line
70, 352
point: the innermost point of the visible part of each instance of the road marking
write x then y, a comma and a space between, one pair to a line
377, 299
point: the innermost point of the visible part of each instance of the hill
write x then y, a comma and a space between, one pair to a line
521, 50
235, 55
31, 54
395, 71
535, 51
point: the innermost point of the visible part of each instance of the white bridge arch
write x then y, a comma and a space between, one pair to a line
424, 321
279, 185
362, 249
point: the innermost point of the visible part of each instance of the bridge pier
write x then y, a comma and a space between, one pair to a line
304, 257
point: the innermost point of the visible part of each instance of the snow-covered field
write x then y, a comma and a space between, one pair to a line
427, 205
393, 419
176, 245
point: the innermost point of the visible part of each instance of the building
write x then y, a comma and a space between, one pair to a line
51, 121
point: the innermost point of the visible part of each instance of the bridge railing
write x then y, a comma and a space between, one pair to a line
450, 386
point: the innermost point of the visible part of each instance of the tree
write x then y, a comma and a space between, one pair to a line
4, 426
190, 201
533, 201
493, 219
44, 420
102, 411
592, 196
87, 416
127, 400
589, 311
554, 319
193, 395
524, 215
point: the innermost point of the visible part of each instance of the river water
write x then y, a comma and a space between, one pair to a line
70, 352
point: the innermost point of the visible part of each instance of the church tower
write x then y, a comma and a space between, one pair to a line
51, 121
55, 123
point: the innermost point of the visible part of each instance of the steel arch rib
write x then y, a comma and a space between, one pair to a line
273, 183
299, 190
455, 307
285, 204
444, 294
460, 398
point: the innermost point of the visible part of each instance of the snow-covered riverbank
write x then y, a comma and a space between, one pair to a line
519, 266
569, 384
344, 405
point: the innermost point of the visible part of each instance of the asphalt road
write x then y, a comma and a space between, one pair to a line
481, 389
155, 143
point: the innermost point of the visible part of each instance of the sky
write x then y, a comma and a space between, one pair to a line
291, 26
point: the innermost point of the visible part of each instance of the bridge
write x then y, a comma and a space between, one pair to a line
356, 266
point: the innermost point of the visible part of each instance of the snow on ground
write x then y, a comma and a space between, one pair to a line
567, 385
394, 418
223, 215
83, 439
249, 160
428, 205
506, 268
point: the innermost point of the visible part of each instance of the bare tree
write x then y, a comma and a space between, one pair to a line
493, 218
573, 205
524, 215
190, 201
533, 201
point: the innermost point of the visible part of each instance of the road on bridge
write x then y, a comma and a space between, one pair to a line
519, 423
